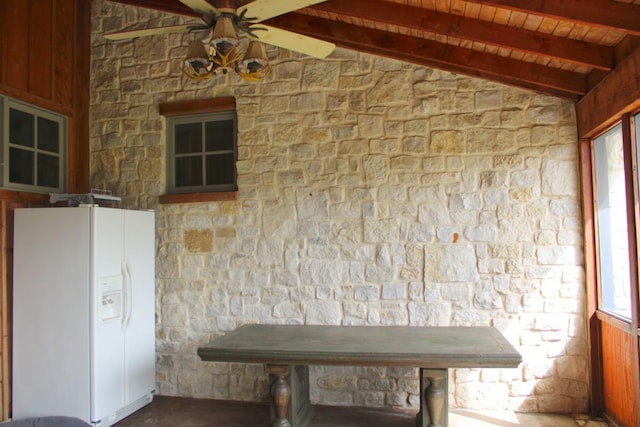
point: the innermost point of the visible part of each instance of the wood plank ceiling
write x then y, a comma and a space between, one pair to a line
558, 47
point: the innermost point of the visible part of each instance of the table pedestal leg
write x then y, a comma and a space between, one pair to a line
289, 387
434, 405
280, 394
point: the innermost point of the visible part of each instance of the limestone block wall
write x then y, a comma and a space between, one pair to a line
371, 192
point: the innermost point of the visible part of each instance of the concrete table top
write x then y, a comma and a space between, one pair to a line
433, 347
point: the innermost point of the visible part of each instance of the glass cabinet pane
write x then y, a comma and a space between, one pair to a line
21, 169
21, 128
48, 171
188, 171
220, 169
48, 135
219, 135
188, 138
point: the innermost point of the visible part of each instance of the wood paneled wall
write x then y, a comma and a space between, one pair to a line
618, 374
44, 60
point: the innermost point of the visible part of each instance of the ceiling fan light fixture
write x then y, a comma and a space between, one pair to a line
224, 45
255, 64
226, 23
224, 38
197, 64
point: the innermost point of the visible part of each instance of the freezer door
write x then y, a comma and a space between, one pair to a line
108, 299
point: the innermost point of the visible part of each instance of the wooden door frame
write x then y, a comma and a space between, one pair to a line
633, 219
596, 396
594, 315
629, 138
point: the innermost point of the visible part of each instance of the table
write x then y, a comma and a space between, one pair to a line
288, 350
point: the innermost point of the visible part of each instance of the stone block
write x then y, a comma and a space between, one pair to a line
482, 395
429, 314
447, 142
450, 262
394, 291
323, 313
198, 240
559, 178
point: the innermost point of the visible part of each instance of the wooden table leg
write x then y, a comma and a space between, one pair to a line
434, 398
289, 387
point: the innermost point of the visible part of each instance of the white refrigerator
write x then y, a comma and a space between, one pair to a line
83, 312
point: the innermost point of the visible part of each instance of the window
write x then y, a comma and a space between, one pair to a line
33, 147
613, 234
202, 152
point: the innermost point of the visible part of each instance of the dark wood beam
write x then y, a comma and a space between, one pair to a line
416, 18
438, 55
78, 173
617, 94
175, 7
608, 14
623, 49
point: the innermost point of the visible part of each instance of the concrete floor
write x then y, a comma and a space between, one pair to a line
182, 412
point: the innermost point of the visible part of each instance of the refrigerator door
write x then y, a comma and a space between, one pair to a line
51, 319
139, 236
109, 304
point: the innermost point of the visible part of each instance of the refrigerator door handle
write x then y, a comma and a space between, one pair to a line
128, 295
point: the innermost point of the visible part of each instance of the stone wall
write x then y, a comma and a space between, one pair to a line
371, 192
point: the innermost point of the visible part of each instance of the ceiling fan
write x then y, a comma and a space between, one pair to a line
228, 27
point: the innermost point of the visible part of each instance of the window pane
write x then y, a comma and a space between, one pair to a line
615, 287
219, 135
188, 138
48, 171
220, 169
21, 166
21, 128
48, 133
188, 171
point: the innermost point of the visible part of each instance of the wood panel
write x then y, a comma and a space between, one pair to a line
618, 374
63, 53
39, 48
14, 24
37, 51
77, 84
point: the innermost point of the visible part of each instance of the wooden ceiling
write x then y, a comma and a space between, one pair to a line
558, 47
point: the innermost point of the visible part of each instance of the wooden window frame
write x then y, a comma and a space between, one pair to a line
7, 103
182, 108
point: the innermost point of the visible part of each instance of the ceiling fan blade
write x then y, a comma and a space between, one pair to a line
121, 35
261, 10
294, 41
203, 7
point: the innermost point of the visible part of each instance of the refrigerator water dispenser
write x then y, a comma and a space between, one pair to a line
110, 298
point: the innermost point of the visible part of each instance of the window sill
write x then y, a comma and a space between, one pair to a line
24, 196
198, 197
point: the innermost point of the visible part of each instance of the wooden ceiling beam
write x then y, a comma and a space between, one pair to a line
415, 18
437, 55
608, 14
617, 94
175, 7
